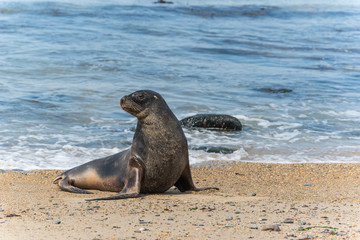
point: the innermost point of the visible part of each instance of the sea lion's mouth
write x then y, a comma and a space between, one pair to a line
127, 108
130, 110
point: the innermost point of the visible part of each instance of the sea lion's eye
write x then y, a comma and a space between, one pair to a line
141, 97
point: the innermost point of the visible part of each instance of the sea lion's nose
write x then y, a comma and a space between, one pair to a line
122, 100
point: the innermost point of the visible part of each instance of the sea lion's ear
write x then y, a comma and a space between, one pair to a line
155, 97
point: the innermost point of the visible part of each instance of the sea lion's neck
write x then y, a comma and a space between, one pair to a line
156, 127
155, 135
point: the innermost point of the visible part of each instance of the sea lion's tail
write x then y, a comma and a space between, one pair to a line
63, 182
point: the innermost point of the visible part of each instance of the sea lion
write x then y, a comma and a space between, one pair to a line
157, 159
212, 121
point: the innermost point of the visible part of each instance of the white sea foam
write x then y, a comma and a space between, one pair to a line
287, 125
70, 156
348, 113
273, 157
64, 158
285, 136
352, 113
202, 156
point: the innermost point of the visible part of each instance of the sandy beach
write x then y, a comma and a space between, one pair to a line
255, 201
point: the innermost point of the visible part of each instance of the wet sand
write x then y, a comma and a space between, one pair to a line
255, 201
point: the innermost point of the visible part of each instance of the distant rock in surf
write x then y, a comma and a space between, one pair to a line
163, 2
215, 149
212, 121
275, 90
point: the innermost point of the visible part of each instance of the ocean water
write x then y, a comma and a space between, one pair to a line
289, 71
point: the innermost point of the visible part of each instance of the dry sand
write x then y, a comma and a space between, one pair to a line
306, 201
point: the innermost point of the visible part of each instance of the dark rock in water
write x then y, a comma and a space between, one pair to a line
212, 121
275, 90
213, 149
163, 2
2, 171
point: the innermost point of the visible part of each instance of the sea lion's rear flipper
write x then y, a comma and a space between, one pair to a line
63, 183
185, 182
133, 182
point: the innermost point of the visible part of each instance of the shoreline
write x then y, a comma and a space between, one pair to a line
306, 201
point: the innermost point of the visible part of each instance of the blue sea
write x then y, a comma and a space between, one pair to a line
288, 70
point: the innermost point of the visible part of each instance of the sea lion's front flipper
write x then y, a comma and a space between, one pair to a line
63, 182
185, 182
133, 182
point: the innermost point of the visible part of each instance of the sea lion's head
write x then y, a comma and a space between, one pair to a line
143, 103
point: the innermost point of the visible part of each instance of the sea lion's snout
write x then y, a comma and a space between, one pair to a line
122, 101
